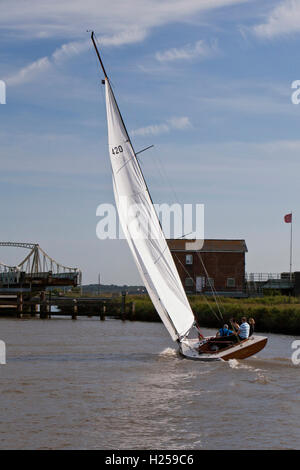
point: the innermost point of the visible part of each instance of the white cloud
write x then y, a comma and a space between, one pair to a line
283, 19
199, 50
154, 129
179, 123
27, 73
33, 70
71, 49
70, 19
129, 36
117, 21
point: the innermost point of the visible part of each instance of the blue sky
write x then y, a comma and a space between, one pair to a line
207, 82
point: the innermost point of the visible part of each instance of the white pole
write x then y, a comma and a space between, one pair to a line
291, 246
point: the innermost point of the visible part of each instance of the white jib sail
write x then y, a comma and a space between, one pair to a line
142, 229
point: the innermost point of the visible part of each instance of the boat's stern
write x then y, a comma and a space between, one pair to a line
189, 348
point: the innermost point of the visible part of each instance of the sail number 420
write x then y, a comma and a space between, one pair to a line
116, 150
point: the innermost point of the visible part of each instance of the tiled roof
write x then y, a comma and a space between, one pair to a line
209, 245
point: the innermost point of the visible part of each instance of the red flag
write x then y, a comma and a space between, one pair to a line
288, 218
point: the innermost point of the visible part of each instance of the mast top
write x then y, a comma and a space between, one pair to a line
100, 60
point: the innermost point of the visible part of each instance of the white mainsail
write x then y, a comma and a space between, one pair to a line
142, 229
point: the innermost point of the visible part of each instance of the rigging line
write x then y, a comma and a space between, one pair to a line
205, 297
147, 148
161, 255
160, 162
219, 319
219, 301
163, 174
210, 284
124, 164
182, 236
214, 292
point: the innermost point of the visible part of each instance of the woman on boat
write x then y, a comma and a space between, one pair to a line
252, 325
234, 324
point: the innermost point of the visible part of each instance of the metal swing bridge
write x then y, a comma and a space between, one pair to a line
36, 271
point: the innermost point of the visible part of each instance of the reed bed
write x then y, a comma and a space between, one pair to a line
274, 314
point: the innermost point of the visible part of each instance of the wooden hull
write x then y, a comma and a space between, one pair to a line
242, 350
247, 351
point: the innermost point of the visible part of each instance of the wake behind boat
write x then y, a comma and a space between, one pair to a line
149, 247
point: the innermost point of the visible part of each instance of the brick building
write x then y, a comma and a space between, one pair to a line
220, 263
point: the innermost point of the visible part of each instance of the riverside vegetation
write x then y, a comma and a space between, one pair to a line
272, 313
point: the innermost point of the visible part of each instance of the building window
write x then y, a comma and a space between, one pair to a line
189, 282
210, 282
188, 259
200, 283
230, 282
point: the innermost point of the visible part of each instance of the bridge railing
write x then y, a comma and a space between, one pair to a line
264, 277
10, 277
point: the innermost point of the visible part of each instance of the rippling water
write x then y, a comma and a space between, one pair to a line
87, 384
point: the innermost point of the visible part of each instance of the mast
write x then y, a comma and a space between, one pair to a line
121, 117
161, 277
97, 52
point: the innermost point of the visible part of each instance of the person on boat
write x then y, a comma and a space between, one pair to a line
244, 329
223, 338
234, 324
252, 325
223, 332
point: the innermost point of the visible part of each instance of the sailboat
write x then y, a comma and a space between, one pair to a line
149, 247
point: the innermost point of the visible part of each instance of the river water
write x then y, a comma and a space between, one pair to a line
87, 384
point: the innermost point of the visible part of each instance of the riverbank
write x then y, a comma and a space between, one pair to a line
274, 314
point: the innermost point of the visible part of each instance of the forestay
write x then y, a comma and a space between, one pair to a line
142, 228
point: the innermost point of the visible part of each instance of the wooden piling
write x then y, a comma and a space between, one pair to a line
123, 306
132, 313
102, 312
33, 309
49, 304
43, 305
75, 310
19, 305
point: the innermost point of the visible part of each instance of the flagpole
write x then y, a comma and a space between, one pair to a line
291, 246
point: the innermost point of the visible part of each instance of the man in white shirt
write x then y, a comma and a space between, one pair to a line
244, 329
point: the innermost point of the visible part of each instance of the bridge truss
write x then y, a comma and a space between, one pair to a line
36, 263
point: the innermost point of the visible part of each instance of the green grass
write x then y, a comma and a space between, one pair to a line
274, 314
